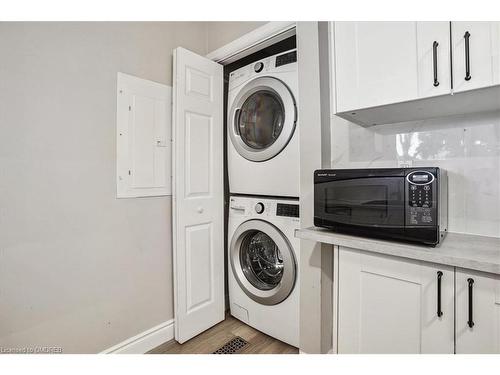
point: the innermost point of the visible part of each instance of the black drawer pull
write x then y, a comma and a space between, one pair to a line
434, 62
439, 311
470, 322
467, 56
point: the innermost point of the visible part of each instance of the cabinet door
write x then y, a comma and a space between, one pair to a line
375, 63
390, 305
481, 309
475, 51
434, 66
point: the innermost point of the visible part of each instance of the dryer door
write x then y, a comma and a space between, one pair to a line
262, 119
263, 262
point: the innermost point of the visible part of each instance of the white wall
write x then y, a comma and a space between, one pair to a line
79, 269
221, 33
468, 146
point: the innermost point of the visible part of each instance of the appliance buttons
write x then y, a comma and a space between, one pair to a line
259, 208
288, 210
258, 67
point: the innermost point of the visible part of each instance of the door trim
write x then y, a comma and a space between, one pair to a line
261, 37
288, 281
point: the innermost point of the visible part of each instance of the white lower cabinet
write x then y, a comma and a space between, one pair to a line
477, 312
390, 305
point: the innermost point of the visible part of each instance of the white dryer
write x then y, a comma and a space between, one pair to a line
263, 142
263, 256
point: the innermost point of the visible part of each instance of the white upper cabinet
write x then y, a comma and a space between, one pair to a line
392, 305
476, 54
388, 72
375, 63
378, 63
433, 49
477, 312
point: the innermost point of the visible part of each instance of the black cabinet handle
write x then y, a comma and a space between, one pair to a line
439, 312
434, 62
467, 56
470, 322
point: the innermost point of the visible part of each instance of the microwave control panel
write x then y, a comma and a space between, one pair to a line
420, 196
421, 188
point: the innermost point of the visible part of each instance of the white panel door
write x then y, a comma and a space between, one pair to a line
198, 194
476, 54
375, 63
143, 137
477, 312
390, 305
434, 66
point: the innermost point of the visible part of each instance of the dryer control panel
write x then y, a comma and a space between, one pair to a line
280, 63
286, 58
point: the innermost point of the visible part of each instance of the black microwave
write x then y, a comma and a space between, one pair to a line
408, 204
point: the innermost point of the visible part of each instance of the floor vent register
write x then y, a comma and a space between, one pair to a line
232, 347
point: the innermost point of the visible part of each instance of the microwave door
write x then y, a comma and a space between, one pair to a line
367, 202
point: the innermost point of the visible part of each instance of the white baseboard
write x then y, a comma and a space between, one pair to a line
144, 341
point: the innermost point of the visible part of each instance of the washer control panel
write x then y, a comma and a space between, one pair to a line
259, 208
421, 190
289, 210
264, 208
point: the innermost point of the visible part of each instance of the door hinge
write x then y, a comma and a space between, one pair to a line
129, 172
129, 107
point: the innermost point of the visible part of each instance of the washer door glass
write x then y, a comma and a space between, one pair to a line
261, 261
261, 119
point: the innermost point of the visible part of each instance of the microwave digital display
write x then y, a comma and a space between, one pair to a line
420, 177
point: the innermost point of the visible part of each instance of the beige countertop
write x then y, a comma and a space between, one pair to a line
460, 250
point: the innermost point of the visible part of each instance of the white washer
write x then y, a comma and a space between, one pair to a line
263, 141
263, 258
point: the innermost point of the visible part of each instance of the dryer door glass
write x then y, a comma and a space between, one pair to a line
261, 119
261, 260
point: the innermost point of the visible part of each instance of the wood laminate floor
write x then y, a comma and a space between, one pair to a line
215, 337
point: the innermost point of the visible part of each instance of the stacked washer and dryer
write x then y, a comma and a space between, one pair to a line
263, 169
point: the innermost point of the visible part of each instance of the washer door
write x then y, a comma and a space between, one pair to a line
263, 262
262, 119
